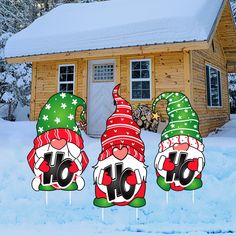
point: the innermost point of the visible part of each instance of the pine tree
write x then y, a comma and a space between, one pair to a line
232, 77
232, 92
15, 82
233, 5
16, 14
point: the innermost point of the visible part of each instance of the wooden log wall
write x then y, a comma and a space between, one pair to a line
210, 118
171, 71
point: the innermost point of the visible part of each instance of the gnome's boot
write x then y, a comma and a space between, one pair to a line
162, 184
196, 184
138, 202
46, 188
77, 185
72, 187
102, 202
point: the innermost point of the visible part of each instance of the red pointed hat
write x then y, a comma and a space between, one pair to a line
122, 131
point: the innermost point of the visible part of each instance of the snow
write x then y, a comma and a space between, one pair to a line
228, 130
115, 23
21, 112
24, 212
7, 96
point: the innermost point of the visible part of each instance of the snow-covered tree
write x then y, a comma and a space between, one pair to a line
233, 5
232, 77
16, 14
232, 91
15, 82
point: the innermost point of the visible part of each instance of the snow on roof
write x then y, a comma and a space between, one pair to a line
115, 23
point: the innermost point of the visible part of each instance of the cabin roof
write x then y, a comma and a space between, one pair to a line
116, 24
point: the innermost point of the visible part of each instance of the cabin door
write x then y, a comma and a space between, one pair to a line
101, 81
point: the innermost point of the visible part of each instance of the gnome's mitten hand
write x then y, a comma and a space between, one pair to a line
44, 167
35, 183
131, 180
80, 182
168, 165
193, 165
73, 167
106, 179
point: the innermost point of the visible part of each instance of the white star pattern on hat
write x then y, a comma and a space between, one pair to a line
48, 107
45, 117
75, 129
40, 129
70, 117
63, 106
74, 102
63, 95
57, 120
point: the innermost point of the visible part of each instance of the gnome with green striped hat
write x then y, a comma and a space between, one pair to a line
180, 160
57, 158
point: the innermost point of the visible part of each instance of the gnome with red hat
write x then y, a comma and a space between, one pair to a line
57, 158
120, 174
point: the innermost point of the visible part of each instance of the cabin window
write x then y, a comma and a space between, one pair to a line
140, 79
66, 74
103, 72
213, 86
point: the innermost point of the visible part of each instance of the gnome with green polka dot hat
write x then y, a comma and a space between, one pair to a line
180, 160
57, 158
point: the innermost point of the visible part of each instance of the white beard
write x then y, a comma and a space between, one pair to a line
192, 153
71, 152
128, 162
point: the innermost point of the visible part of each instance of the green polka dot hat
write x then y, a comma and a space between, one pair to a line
183, 120
60, 112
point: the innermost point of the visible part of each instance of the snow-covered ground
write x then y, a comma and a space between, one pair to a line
24, 212
21, 113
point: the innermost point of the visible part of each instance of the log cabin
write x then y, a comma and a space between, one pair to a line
149, 47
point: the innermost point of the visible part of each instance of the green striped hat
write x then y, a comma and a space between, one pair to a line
60, 112
183, 120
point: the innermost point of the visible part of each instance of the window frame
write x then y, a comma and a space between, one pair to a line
208, 81
141, 80
66, 82
102, 64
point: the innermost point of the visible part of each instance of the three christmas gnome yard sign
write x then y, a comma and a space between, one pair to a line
58, 160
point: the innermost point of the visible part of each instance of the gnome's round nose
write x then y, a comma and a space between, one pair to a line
120, 153
58, 143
